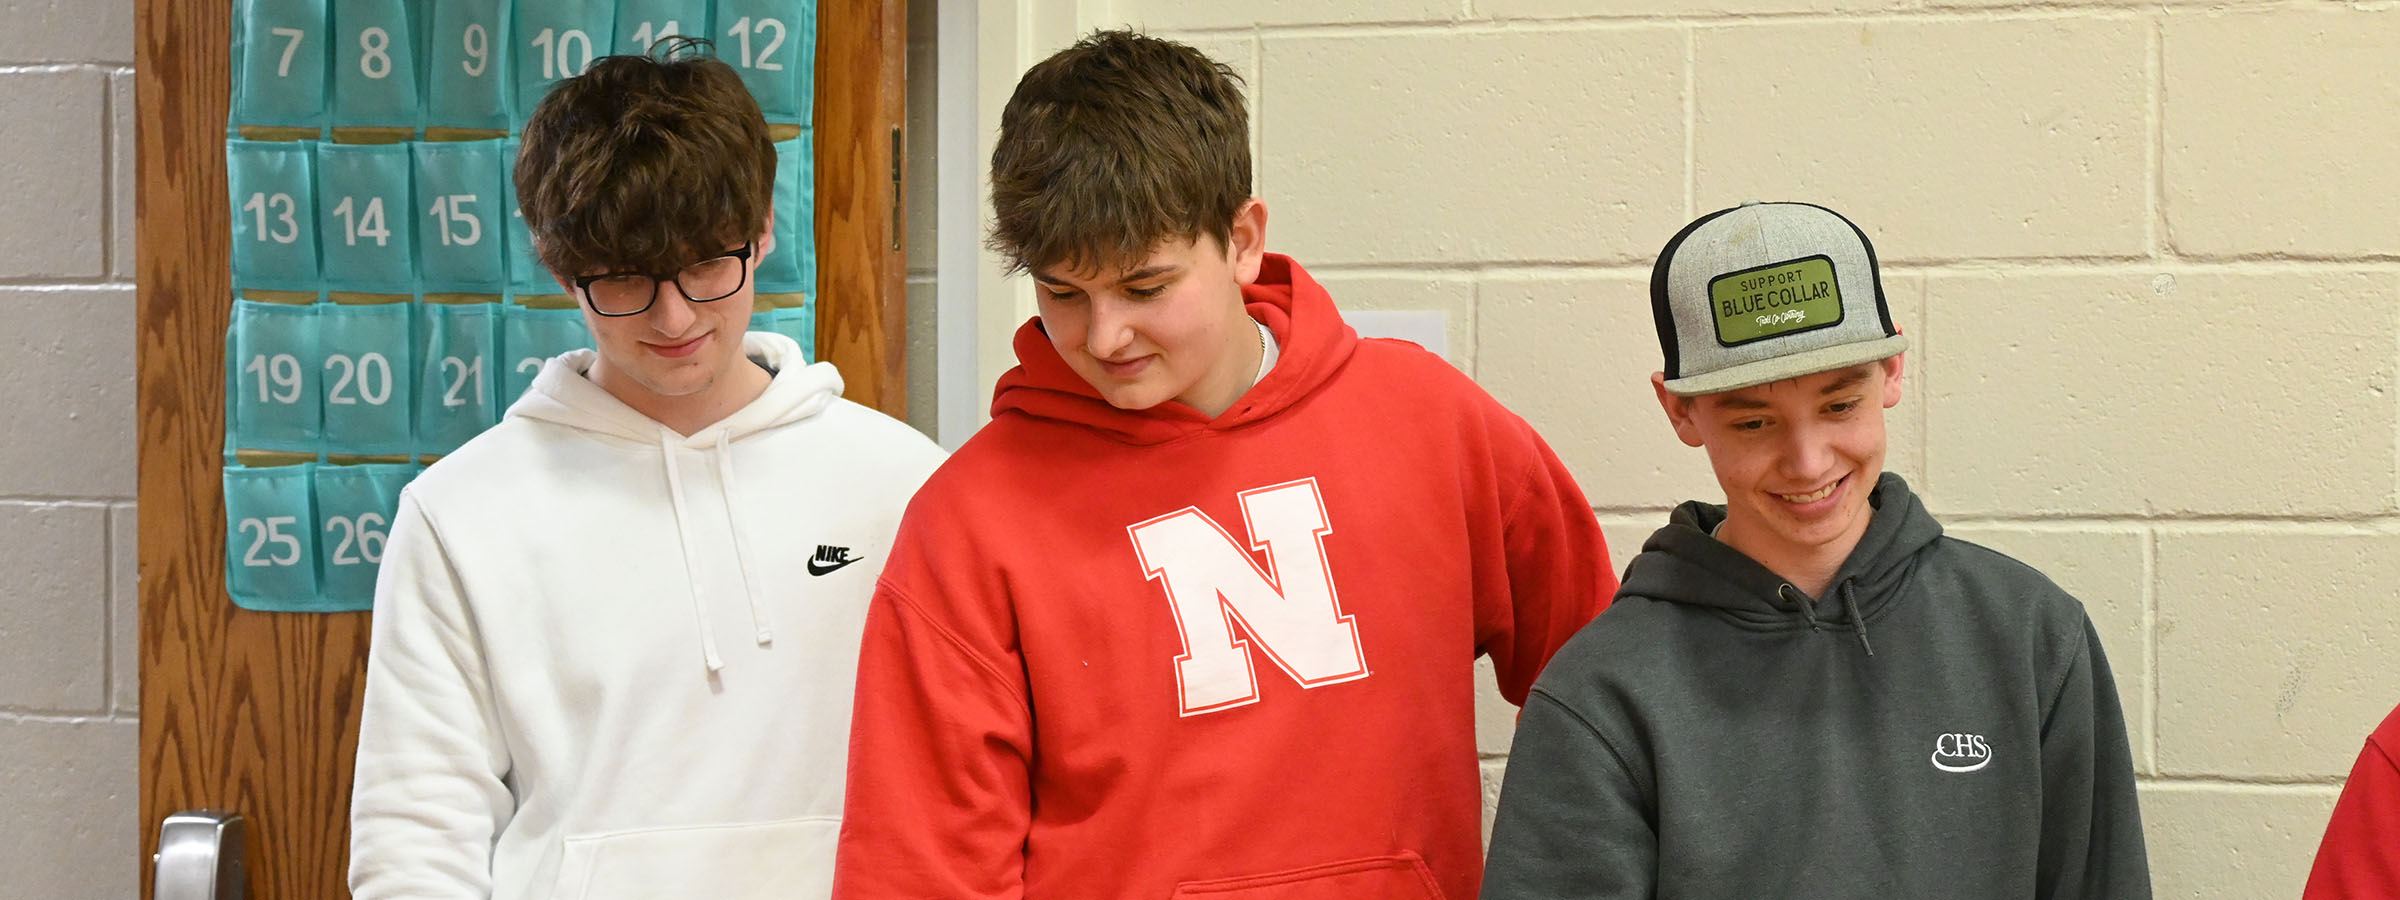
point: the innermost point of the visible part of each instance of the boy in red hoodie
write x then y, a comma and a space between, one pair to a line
2360, 857
1197, 613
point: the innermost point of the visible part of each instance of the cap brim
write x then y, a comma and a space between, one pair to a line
1822, 359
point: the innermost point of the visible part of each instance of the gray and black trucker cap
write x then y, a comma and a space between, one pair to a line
1762, 292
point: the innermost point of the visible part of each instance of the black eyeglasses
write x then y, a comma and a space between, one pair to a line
632, 293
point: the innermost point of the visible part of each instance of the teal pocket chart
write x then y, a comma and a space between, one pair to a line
387, 304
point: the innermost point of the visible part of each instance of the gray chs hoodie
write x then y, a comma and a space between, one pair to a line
1943, 725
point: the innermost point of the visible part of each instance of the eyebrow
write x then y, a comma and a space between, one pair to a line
1143, 273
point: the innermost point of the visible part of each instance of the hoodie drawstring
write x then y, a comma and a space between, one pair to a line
1808, 610
1858, 622
683, 531
741, 544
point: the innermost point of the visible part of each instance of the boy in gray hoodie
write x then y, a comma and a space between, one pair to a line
1808, 691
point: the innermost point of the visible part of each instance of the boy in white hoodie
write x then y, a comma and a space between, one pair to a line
616, 635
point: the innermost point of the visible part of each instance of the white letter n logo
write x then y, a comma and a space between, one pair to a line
1290, 609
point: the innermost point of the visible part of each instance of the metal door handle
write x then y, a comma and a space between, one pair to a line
200, 856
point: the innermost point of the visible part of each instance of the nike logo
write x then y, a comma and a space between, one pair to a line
829, 558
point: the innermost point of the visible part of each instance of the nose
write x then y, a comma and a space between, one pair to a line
671, 313
1111, 330
1807, 452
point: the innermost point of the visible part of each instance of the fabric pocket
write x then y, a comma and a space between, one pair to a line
792, 858
363, 201
275, 388
375, 69
796, 322
270, 538
354, 508
526, 274
464, 88
529, 337
461, 244
553, 40
643, 23
790, 267
273, 188
773, 45
279, 58
1401, 876
455, 396
369, 358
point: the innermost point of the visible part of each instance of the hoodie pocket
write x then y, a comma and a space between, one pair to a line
1402, 876
792, 858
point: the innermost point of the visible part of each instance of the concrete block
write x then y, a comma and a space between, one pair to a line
54, 608
2104, 569
1627, 531
66, 31
1495, 717
1559, 9
924, 384
1553, 146
1453, 297
124, 611
1494, 770
1574, 357
2249, 168
69, 802
2232, 842
120, 175
2274, 650
923, 166
66, 380
2143, 393
52, 168
1942, 139
1169, 15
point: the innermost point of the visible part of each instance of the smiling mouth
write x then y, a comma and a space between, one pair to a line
1815, 495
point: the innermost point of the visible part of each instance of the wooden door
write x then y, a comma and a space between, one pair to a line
257, 713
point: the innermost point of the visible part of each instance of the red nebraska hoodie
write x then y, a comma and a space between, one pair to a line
2360, 858
1152, 654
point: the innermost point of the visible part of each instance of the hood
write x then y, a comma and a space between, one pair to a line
561, 395
1681, 563
1314, 343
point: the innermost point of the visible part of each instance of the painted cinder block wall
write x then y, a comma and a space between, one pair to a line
2146, 251
2147, 254
67, 684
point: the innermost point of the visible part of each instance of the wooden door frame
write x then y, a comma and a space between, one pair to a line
237, 706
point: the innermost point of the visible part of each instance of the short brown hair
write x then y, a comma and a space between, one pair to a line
645, 162
1114, 144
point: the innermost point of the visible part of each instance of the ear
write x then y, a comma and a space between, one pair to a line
1247, 242
1678, 409
766, 238
1893, 368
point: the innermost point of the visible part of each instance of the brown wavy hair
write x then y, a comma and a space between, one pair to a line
1114, 144
647, 163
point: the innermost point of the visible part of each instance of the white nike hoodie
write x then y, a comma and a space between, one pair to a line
613, 661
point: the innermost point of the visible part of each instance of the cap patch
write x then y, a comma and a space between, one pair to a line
1775, 299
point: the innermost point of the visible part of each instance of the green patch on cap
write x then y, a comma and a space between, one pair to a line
1776, 299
